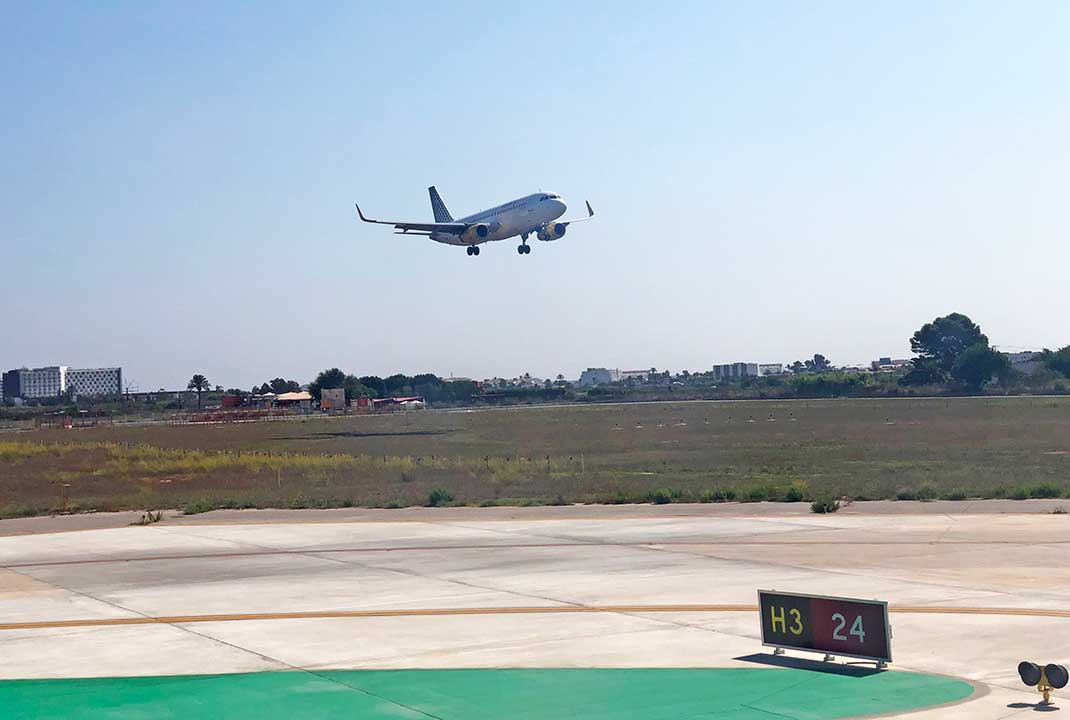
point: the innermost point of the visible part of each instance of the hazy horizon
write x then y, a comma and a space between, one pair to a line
770, 181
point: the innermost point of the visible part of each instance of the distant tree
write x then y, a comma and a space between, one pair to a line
953, 349
219, 388
333, 378
353, 387
459, 390
798, 367
560, 377
396, 384
923, 373
941, 341
976, 366
265, 389
236, 392
198, 383
425, 382
281, 385
375, 384
1059, 361
820, 363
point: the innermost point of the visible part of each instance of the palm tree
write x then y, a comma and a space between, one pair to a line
200, 384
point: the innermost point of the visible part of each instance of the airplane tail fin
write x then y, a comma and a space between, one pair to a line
442, 215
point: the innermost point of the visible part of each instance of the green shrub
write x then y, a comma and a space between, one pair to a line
1019, 493
439, 498
796, 492
926, 493
196, 507
621, 498
19, 511
757, 494
663, 496
955, 495
1045, 490
906, 495
717, 496
824, 505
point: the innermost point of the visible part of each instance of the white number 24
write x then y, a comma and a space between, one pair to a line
856, 628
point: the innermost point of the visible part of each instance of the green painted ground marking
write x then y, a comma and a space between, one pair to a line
543, 694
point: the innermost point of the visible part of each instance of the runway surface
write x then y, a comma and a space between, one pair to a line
971, 596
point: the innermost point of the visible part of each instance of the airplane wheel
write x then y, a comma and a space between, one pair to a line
475, 249
520, 249
468, 250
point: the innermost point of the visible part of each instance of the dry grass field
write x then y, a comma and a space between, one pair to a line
663, 452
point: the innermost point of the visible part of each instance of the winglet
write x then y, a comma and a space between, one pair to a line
366, 219
590, 210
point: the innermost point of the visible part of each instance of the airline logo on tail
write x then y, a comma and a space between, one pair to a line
442, 215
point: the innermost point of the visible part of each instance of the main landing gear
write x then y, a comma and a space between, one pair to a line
523, 249
472, 249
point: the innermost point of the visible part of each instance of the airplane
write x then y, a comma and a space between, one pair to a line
535, 214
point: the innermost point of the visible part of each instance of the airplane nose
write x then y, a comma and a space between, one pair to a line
560, 205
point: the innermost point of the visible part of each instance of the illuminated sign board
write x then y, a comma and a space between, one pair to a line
831, 625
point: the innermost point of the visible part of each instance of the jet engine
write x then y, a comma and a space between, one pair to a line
552, 231
476, 233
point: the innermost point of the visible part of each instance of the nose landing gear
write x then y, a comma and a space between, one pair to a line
523, 249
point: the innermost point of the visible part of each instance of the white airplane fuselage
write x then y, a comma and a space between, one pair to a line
524, 216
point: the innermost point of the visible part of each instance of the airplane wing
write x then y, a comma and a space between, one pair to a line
451, 227
590, 214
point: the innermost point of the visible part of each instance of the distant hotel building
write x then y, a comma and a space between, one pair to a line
770, 369
56, 380
735, 371
95, 381
42, 382
11, 386
598, 376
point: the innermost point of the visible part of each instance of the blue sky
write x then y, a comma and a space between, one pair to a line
771, 180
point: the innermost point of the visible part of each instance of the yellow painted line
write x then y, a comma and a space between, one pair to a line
537, 610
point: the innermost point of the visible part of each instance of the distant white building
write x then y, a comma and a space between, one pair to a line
735, 371
1025, 362
888, 364
598, 376
43, 382
95, 381
56, 380
1022, 357
639, 375
770, 369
